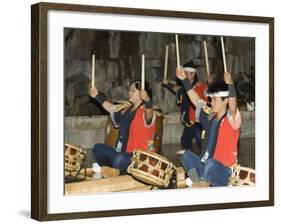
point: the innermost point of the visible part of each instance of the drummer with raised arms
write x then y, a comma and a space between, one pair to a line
222, 123
136, 124
192, 130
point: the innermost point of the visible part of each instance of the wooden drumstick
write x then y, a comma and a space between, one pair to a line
142, 72
177, 50
206, 58
166, 62
93, 71
223, 55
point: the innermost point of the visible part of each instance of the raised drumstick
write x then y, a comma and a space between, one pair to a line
93, 71
223, 55
166, 62
177, 50
142, 72
206, 58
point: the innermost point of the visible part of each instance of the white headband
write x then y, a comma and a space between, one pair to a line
218, 94
189, 69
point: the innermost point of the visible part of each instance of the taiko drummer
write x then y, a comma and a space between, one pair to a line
222, 124
136, 125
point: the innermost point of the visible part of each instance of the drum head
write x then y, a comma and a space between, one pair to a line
151, 168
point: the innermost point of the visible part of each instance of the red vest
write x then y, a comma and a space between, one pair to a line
140, 134
226, 148
199, 89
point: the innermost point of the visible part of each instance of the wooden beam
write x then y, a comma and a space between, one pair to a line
145, 188
181, 184
180, 173
114, 184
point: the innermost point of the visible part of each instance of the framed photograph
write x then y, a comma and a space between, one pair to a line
118, 123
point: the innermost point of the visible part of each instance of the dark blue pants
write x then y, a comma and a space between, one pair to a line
105, 155
189, 133
212, 171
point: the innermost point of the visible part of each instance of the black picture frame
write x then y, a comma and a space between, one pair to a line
39, 109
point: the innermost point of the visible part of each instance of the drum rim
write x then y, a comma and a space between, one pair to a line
154, 155
164, 182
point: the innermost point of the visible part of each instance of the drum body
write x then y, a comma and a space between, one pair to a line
151, 168
74, 161
111, 133
242, 176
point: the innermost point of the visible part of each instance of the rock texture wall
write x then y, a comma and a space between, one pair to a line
118, 60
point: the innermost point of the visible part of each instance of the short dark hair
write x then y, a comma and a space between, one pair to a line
189, 64
219, 86
146, 86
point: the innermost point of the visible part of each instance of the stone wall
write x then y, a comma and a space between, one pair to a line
87, 131
118, 60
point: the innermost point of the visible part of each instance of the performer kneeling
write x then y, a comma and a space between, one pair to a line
136, 125
222, 125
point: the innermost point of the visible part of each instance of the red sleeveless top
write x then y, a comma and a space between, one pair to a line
140, 133
226, 147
